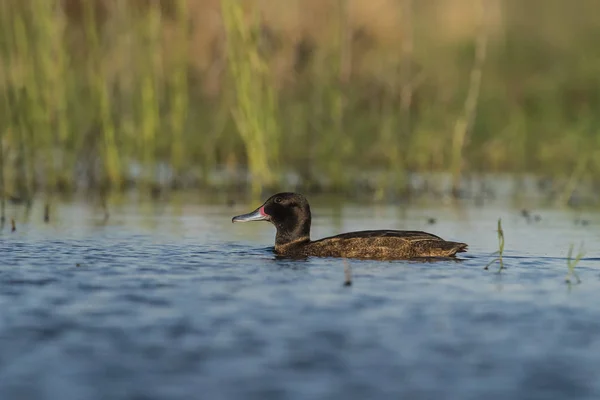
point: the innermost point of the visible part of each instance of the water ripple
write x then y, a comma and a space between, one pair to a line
122, 311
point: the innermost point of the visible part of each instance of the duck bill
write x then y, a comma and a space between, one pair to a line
256, 215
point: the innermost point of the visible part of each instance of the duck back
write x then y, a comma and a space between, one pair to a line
379, 244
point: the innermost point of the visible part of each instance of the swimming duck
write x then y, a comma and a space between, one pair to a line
290, 213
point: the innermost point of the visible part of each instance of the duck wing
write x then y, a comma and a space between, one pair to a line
410, 236
384, 244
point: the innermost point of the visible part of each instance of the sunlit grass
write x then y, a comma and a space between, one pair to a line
178, 87
2, 188
99, 88
255, 108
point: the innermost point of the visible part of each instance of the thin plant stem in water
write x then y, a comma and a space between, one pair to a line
500, 251
347, 274
572, 263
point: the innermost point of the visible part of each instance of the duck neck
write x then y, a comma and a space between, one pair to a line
292, 233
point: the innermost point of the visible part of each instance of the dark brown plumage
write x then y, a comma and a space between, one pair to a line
290, 213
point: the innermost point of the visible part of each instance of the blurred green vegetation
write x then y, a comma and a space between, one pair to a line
304, 93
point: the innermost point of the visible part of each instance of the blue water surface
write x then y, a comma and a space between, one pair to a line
175, 302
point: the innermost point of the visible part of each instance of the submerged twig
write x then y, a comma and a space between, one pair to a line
572, 263
500, 251
47, 213
13, 225
347, 274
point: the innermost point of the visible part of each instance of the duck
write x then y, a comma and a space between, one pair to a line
291, 216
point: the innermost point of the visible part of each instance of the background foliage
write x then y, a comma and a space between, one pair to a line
313, 93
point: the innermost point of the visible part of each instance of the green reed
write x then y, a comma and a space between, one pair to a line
149, 114
464, 124
101, 86
2, 187
572, 263
500, 251
335, 102
7, 116
255, 107
178, 89
101, 98
17, 87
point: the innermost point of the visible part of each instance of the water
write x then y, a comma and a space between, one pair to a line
166, 301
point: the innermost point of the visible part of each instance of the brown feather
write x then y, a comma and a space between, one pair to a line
380, 245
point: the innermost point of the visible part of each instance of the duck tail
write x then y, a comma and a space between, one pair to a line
451, 248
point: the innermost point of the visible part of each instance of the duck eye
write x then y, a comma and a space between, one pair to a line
277, 199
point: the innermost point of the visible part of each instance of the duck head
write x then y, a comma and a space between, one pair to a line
289, 212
